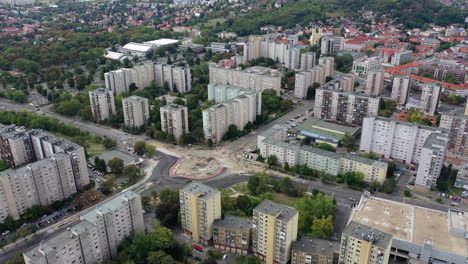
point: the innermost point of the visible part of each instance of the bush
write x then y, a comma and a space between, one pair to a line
407, 193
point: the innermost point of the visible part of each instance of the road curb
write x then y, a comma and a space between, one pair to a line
174, 167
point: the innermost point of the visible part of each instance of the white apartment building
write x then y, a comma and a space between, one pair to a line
238, 111
400, 88
430, 97
344, 106
102, 104
174, 120
292, 60
96, 237
254, 78
402, 57
221, 93
408, 143
308, 60
329, 64
457, 125
366, 65
176, 78
135, 111
375, 83
273, 231
200, 206
332, 44
305, 79
15, 147
39, 183
263, 47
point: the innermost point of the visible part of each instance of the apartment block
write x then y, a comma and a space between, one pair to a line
233, 234
274, 230
15, 147
308, 60
135, 111
264, 47
366, 65
363, 244
305, 79
329, 64
221, 93
400, 88
96, 237
238, 111
375, 83
174, 120
402, 57
254, 78
407, 142
314, 251
344, 106
176, 78
292, 59
430, 97
466, 109
200, 206
457, 125
332, 44
102, 104
321, 160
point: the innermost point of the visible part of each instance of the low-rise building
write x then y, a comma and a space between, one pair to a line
233, 234
313, 250
332, 44
366, 65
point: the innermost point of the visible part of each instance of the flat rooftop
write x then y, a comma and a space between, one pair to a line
268, 207
232, 222
409, 223
196, 188
126, 157
322, 129
316, 246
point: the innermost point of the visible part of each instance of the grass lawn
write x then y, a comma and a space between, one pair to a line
284, 199
95, 149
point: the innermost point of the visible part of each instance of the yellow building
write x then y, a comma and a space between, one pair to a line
373, 170
314, 251
364, 245
273, 231
315, 36
233, 233
200, 205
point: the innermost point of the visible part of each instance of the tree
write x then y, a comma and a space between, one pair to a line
159, 257
353, 178
326, 146
179, 101
272, 160
314, 207
322, 228
248, 260
232, 133
145, 201
18, 259
150, 150
348, 141
407, 193
4, 165
100, 164
371, 155
139, 147
169, 196
257, 183
285, 185
132, 172
109, 143
116, 165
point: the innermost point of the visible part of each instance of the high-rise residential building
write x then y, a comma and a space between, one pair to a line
174, 120
254, 78
135, 111
264, 47
329, 64
39, 183
305, 79
175, 78
430, 97
313, 250
200, 206
15, 147
365, 245
402, 57
366, 65
457, 125
119, 81
221, 93
401, 88
344, 106
233, 234
96, 237
307, 60
292, 59
102, 103
466, 109
273, 231
375, 83
332, 44
408, 143
238, 111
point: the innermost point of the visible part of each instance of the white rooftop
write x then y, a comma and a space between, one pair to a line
162, 42
137, 47
114, 55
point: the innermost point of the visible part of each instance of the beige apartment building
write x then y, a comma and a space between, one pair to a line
254, 78
274, 229
400, 88
233, 234
174, 120
364, 245
200, 206
375, 83
95, 239
430, 97
102, 104
135, 111
314, 251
